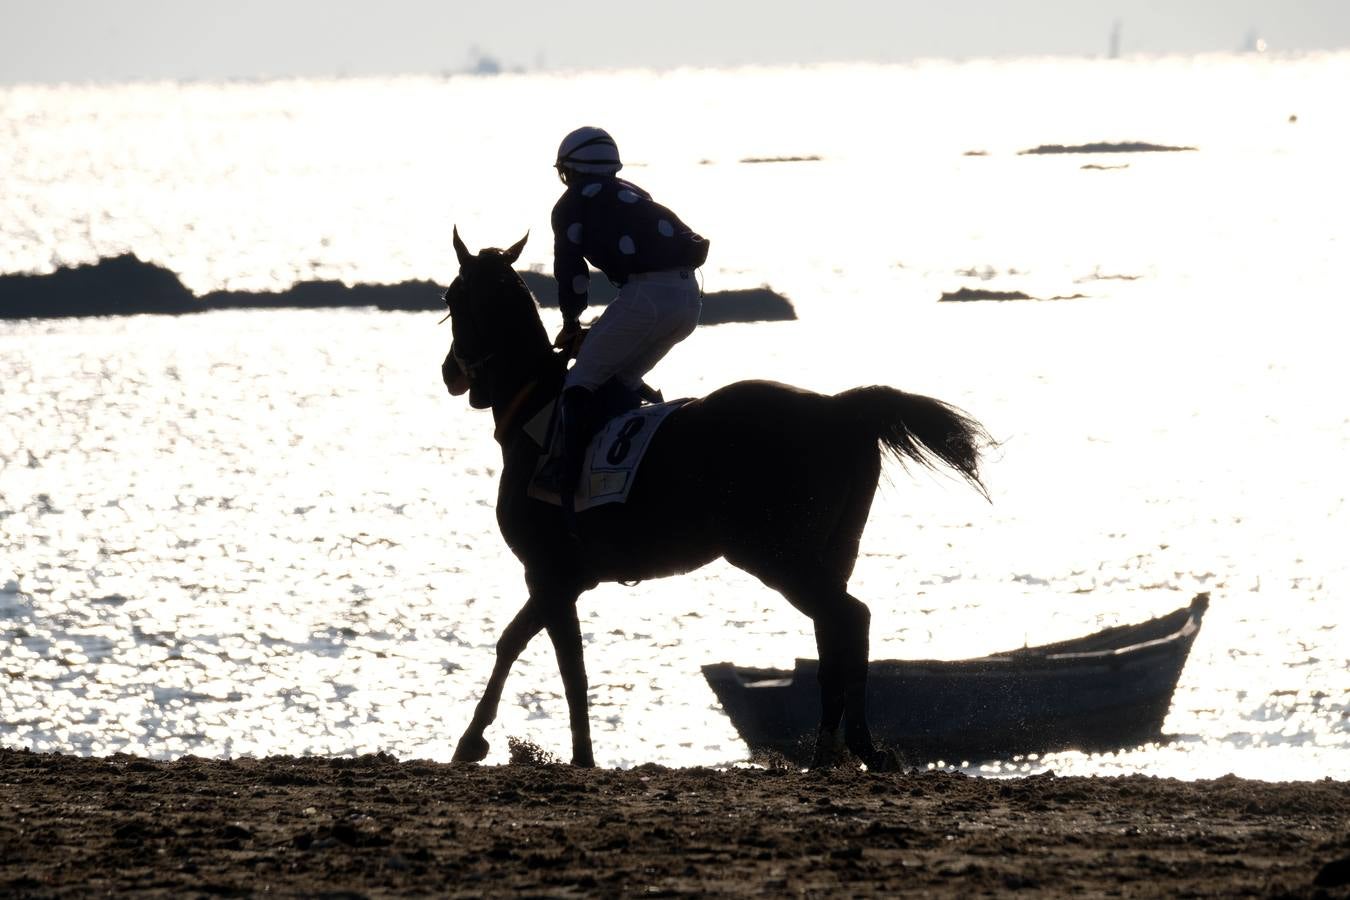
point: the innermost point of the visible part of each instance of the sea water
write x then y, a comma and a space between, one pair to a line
256, 532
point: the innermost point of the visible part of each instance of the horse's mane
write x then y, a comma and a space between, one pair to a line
516, 291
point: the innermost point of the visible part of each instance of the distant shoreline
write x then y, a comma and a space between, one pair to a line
126, 285
476, 71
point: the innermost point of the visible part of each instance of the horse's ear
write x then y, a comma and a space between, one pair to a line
513, 252
460, 250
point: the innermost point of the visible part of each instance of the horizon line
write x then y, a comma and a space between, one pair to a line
519, 71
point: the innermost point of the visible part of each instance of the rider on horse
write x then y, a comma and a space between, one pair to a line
640, 246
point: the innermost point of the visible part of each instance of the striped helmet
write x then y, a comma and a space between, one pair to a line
589, 150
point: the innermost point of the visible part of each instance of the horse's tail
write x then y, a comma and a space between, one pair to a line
921, 429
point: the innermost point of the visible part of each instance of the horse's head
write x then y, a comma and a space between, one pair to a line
493, 318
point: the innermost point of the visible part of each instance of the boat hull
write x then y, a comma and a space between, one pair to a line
1105, 691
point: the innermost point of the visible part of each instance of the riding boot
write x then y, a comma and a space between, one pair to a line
648, 394
577, 422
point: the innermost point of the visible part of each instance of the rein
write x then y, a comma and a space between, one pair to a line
512, 411
472, 370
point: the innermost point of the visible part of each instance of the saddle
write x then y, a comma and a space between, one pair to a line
616, 447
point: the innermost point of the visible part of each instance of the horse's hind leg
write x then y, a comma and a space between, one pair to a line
843, 625
473, 747
852, 652
811, 568
847, 619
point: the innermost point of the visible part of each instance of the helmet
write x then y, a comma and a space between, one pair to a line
589, 150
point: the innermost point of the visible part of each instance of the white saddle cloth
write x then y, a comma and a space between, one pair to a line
611, 462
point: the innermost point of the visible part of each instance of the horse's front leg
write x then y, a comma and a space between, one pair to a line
473, 747
565, 632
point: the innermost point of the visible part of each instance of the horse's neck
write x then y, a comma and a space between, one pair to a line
522, 397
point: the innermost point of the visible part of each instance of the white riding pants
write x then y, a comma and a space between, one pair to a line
653, 312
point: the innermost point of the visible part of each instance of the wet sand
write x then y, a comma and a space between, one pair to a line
374, 826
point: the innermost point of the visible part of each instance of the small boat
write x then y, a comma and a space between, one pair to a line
1106, 691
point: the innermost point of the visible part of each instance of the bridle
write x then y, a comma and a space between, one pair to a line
470, 367
486, 290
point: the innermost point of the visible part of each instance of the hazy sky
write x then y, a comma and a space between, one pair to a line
83, 40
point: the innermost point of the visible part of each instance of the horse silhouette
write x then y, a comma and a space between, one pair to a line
775, 479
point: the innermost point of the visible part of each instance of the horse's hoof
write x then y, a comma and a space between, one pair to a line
471, 749
825, 760
583, 760
885, 761
829, 752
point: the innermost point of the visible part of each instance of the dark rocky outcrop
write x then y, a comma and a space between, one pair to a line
753, 160
761, 304
126, 285
122, 284
407, 295
1103, 147
966, 294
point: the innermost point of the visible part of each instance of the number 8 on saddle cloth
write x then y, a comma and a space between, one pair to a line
610, 466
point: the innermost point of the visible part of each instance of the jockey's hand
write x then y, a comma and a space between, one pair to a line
569, 338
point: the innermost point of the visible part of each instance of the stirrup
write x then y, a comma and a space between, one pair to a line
569, 514
550, 475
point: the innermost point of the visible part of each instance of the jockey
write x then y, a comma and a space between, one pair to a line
640, 246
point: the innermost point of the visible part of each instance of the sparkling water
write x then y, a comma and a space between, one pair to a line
256, 532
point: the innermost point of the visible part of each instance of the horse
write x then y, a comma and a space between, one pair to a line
775, 479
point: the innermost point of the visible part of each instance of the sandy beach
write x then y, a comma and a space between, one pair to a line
375, 826
252, 546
